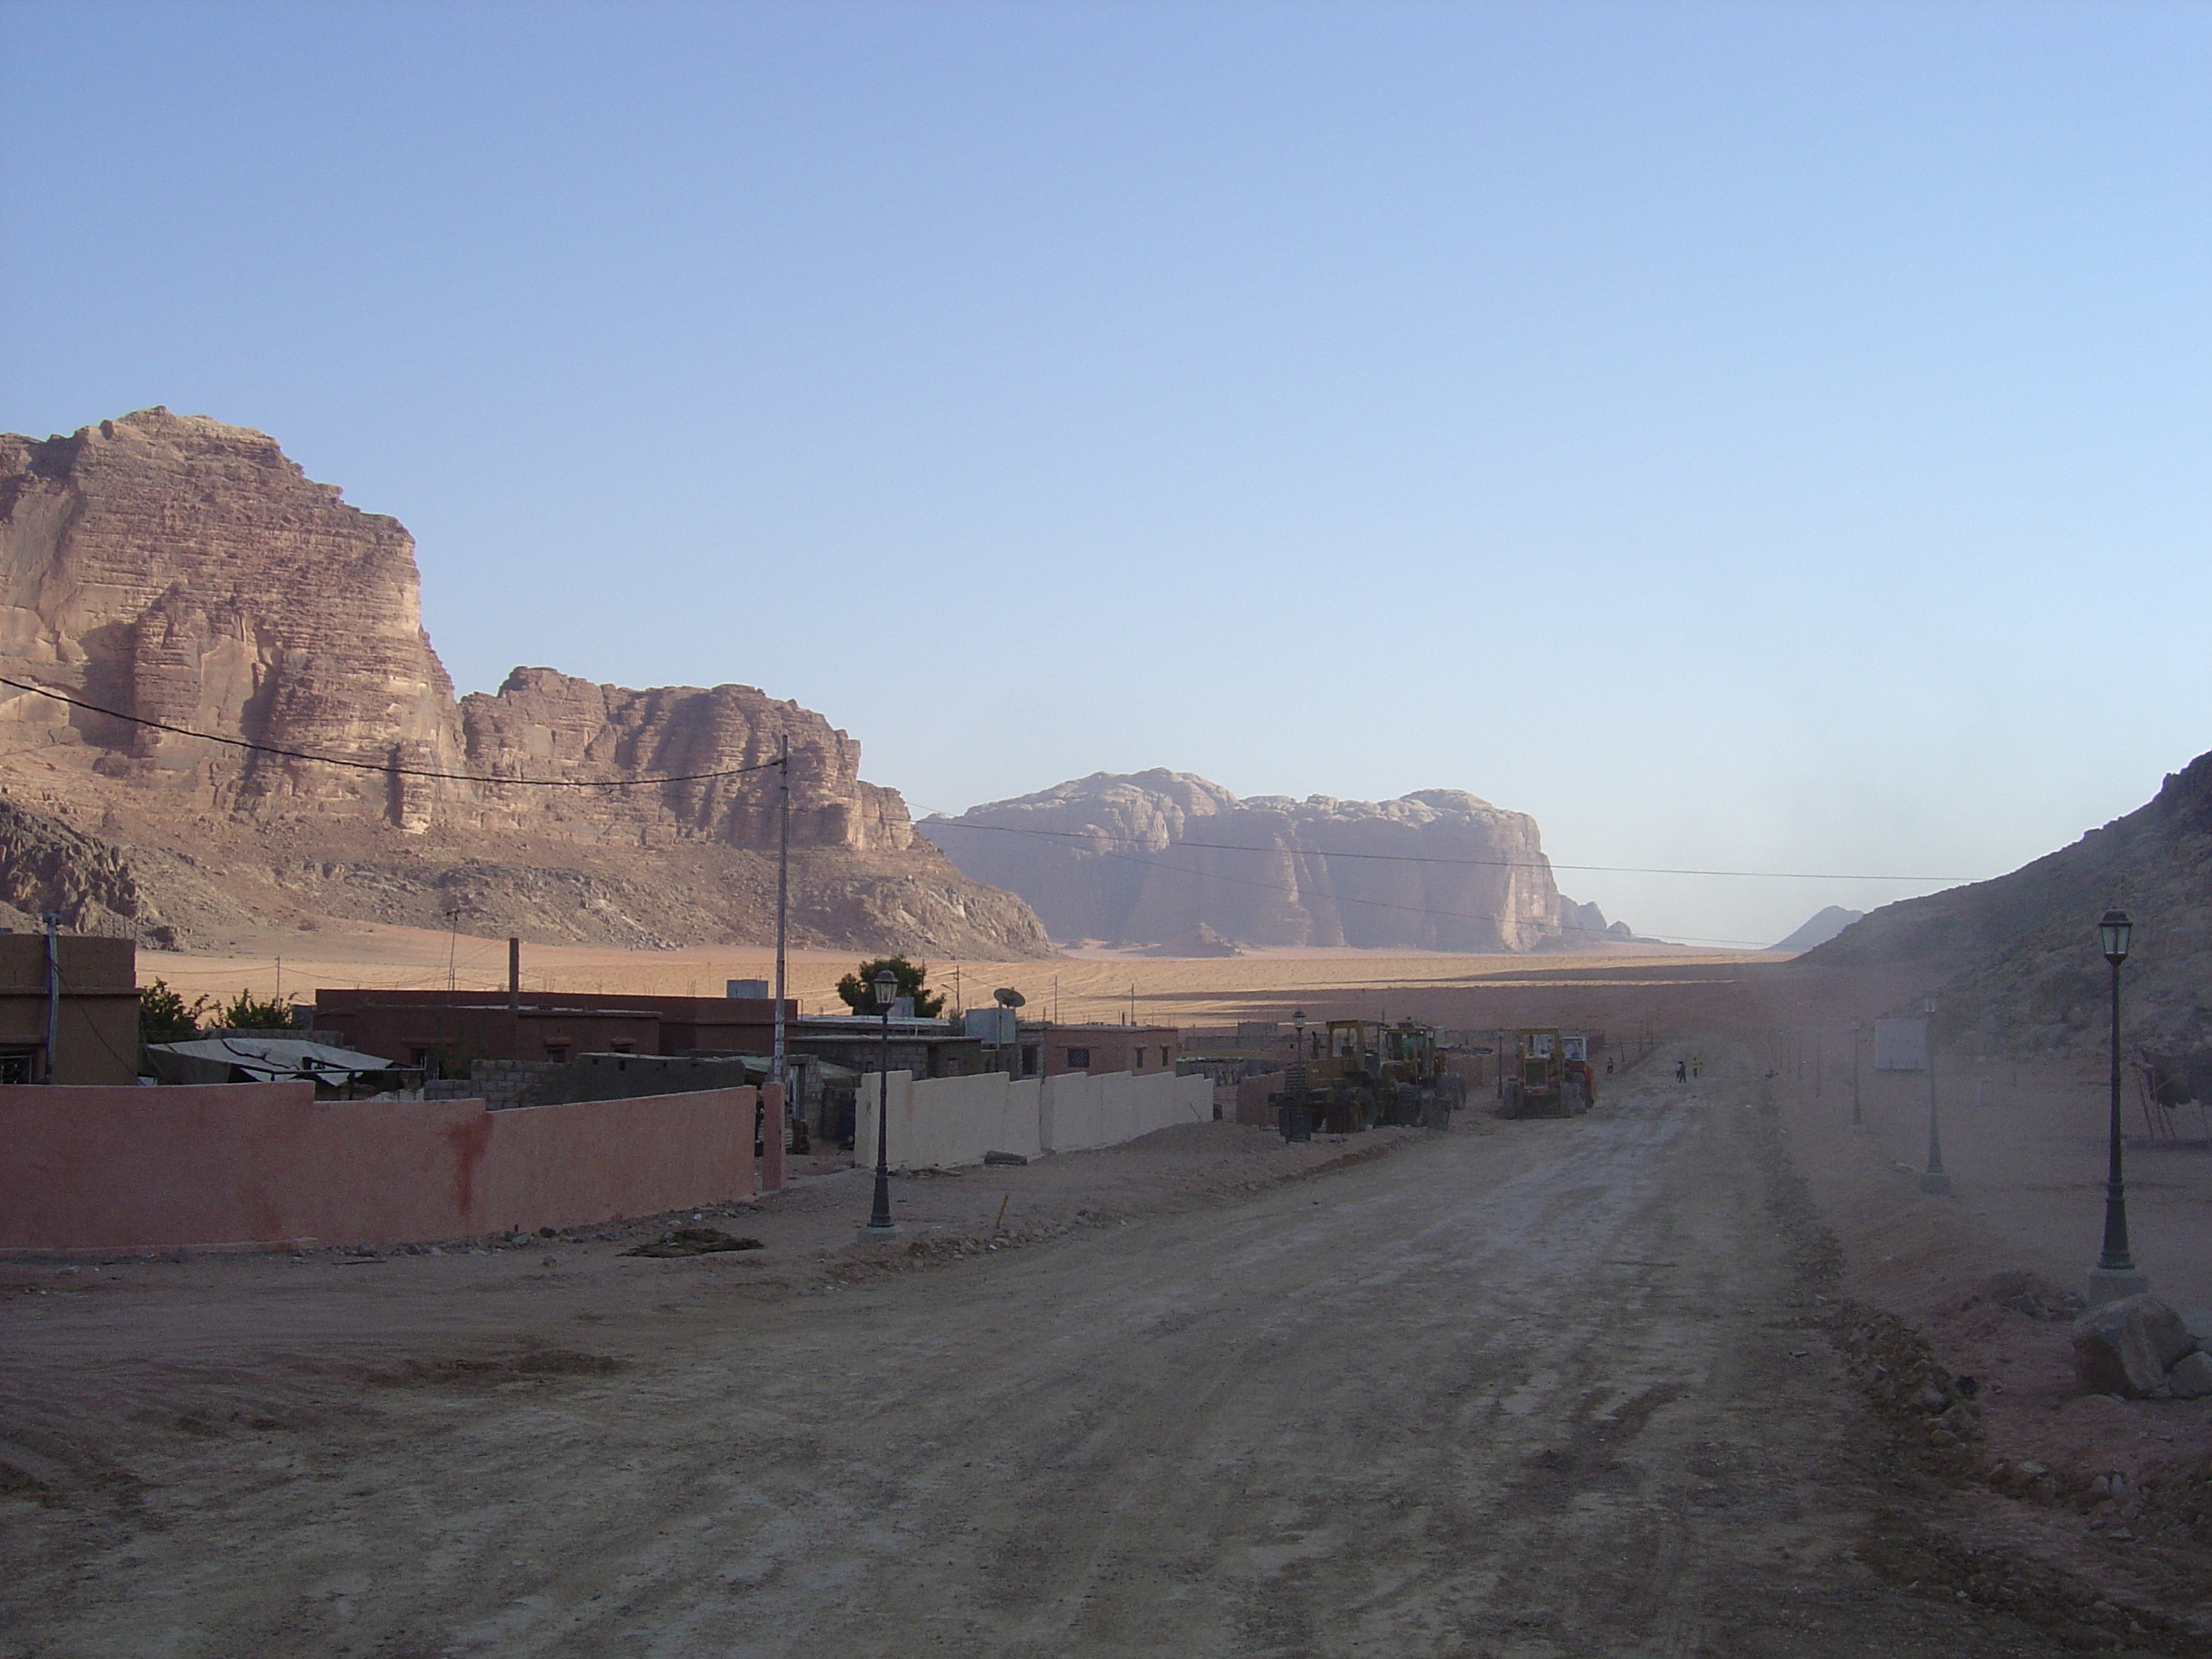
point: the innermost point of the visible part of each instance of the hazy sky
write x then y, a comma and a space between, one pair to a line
1761, 437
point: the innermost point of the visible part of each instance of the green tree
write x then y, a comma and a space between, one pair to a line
165, 1017
859, 989
245, 1013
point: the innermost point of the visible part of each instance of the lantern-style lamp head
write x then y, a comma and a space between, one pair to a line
1298, 1021
2112, 933
886, 983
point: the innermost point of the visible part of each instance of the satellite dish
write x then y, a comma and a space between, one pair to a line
1006, 997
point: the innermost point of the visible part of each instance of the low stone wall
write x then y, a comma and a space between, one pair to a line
943, 1123
1252, 1093
218, 1165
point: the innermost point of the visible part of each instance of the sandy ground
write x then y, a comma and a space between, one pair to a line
1520, 1390
1093, 985
2024, 1148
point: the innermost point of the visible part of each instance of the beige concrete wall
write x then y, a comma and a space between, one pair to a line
1252, 1094
944, 1122
1080, 1111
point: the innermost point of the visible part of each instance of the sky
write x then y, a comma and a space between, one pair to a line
1767, 438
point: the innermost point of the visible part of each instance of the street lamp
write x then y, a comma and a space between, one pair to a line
1932, 1179
880, 1224
2115, 1275
1858, 1026
1298, 1029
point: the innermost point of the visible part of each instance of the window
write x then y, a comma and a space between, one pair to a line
18, 1066
623, 1046
557, 1052
1079, 1059
1138, 1065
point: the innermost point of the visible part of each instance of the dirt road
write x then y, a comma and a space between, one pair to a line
1555, 1390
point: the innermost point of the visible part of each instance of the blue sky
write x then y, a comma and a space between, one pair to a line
1759, 437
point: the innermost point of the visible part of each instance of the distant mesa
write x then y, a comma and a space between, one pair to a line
1824, 925
1151, 857
186, 575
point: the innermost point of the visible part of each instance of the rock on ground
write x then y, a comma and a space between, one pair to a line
2126, 1347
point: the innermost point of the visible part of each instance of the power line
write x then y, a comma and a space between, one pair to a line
390, 768
1419, 857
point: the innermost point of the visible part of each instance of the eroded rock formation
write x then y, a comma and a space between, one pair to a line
184, 573
1144, 858
2025, 974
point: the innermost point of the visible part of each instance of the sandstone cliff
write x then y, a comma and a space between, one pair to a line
2026, 975
1146, 858
181, 571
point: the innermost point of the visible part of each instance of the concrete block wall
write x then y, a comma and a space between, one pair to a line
944, 1122
1252, 1094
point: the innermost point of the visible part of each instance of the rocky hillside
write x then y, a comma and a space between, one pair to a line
1147, 858
181, 571
1818, 928
2026, 973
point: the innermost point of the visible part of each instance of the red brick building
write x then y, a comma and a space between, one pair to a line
412, 1028
1141, 1049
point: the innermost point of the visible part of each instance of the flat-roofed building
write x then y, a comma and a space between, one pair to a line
1140, 1048
93, 1007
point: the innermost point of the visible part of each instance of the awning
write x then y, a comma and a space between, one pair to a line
259, 1060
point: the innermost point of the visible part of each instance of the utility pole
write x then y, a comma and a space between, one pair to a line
783, 896
1857, 1121
1933, 1179
54, 989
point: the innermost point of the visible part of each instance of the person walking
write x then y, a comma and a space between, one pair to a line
1681, 1071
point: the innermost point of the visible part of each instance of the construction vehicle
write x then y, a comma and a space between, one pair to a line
1360, 1074
1548, 1075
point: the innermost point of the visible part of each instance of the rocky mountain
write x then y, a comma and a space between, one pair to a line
2026, 975
1818, 928
185, 575
1147, 858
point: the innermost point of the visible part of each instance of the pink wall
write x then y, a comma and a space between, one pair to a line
133, 1169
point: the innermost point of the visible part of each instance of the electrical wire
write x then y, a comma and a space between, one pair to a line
389, 768
1421, 857
61, 980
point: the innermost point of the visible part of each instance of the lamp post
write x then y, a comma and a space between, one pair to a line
880, 1224
1932, 1179
2115, 1276
1857, 1122
1298, 1029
